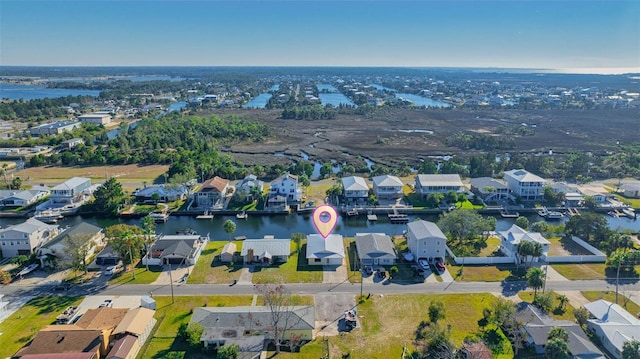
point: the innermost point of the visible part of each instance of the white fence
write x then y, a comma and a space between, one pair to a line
480, 260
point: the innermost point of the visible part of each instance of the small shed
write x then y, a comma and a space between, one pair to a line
228, 252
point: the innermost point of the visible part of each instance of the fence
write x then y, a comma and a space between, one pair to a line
480, 260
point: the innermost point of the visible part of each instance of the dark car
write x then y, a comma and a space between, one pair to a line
368, 270
61, 287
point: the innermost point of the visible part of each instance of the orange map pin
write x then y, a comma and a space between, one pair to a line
325, 218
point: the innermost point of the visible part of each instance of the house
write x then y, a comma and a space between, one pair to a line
525, 185
266, 251
105, 319
69, 144
612, 325
131, 333
107, 256
14, 199
355, 189
537, 326
285, 186
228, 252
175, 249
250, 327
25, 238
599, 197
160, 193
511, 238
490, 189
63, 341
54, 128
630, 190
96, 118
212, 192
425, 240
427, 184
58, 248
387, 187
70, 192
321, 251
375, 249
249, 188
474, 350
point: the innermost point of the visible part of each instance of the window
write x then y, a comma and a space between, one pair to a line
317, 260
438, 243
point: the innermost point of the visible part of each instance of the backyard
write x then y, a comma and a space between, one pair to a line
209, 270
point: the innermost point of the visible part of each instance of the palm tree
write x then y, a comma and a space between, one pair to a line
148, 226
535, 280
563, 300
229, 227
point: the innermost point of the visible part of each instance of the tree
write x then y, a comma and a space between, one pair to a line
229, 351
562, 300
193, 333
297, 239
436, 311
19, 260
278, 299
545, 300
535, 279
229, 227
631, 349
108, 198
149, 230
126, 239
587, 225
539, 227
16, 183
5, 277
522, 222
556, 347
77, 247
433, 342
465, 224
582, 315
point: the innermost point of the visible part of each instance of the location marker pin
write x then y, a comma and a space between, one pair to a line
325, 218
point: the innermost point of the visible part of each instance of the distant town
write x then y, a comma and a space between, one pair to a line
165, 213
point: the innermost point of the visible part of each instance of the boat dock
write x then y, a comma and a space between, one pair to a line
205, 215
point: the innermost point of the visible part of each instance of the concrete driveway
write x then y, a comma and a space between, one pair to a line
335, 274
329, 309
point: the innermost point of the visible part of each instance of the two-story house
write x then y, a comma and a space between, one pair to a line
70, 191
511, 239
425, 240
490, 189
284, 190
355, 189
25, 238
212, 192
248, 188
387, 187
526, 185
58, 247
427, 184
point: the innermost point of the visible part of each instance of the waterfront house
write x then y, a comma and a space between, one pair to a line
24, 198
58, 248
267, 250
525, 185
286, 186
251, 327
511, 238
249, 188
69, 144
160, 193
96, 118
537, 326
438, 183
387, 187
212, 192
107, 256
321, 251
71, 191
355, 189
175, 249
25, 238
54, 128
425, 240
490, 189
612, 325
630, 190
375, 249
598, 196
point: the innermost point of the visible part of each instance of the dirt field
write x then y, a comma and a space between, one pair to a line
377, 136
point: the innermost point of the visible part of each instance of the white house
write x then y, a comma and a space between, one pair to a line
58, 248
387, 187
247, 187
70, 192
526, 185
355, 188
426, 240
511, 238
25, 238
228, 252
212, 192
631, 190
69, 144
9, 198
426, 184
54, 128
283, 191
612, 325
321, 251
375, 249
266, 250
96, 118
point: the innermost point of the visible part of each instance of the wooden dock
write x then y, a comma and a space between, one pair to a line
372, 217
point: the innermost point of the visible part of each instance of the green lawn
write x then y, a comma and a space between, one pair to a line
610, 296
143, 276
487, 273
295, 270
23, 325
353, 271
208, 270
560, 246
556, 312
577, 271
170, 316
491, 249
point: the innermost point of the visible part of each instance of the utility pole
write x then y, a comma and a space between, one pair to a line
171, 280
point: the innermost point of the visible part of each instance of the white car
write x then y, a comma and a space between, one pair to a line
423, 263
112, 269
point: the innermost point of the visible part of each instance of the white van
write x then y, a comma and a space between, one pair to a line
113, 269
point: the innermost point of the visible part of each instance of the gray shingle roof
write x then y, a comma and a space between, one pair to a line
425, 229
374, 245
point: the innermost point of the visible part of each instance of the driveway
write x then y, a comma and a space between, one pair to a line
246, 275
176, 274
329, 309
335, 274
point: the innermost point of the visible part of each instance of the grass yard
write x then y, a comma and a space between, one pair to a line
208, 270
562, 246
164, 341
610, 296
351, 258
578, 271
143, 276
565, 313
295, 270
318, 190
487, 273
23, 325
491, 250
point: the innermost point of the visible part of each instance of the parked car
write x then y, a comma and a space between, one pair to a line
439, 264
113, 269
424, 264
61, 287
368, 270
106, 303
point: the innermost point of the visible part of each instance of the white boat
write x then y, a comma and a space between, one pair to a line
205, 215
242, 215
629, 212
48, 216
554, 215
159, 217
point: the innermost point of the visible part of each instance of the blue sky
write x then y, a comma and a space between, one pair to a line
455, 33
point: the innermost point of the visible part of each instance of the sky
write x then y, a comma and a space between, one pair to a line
573, 35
